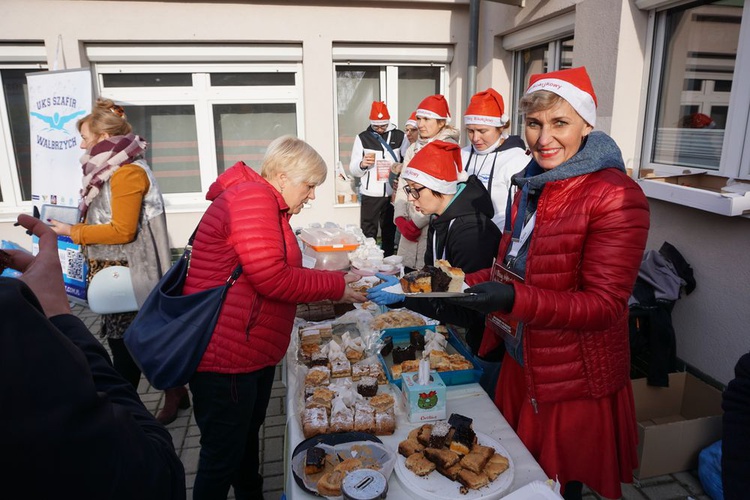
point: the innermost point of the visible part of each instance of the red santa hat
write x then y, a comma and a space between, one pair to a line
486, 108
379, 114
434, 106
412, 120
436, 166
573, 85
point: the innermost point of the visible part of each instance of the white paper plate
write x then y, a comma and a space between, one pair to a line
436, 486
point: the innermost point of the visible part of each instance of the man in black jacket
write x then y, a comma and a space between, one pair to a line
374, 152
70, 425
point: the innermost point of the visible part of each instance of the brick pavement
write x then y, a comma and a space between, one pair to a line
186, 439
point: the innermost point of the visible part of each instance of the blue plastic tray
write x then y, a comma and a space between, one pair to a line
401, 336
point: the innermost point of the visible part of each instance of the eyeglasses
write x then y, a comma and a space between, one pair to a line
380, 128
413, 192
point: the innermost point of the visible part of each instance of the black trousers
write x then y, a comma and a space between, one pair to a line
374, 211
123, 362
229, 410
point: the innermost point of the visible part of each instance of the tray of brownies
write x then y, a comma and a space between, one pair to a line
448, 459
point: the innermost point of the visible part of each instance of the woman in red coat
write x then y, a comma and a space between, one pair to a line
248, 223
557, 296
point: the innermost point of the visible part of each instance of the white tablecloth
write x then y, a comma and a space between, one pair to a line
469, 400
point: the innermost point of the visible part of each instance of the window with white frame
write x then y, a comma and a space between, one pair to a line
544, 47
401, 84
693, 69
200, 118
15, 159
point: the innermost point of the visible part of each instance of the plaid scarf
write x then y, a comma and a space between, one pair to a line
102, 161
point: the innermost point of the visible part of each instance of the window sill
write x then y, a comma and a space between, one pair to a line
704, 192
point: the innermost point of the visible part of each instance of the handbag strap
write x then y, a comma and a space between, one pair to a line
231, 280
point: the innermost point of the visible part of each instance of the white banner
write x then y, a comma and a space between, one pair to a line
57, 100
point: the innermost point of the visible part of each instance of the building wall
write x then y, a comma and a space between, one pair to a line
317, 25
711, 324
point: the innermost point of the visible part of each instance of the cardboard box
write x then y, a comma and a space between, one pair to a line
424, 403
675, 423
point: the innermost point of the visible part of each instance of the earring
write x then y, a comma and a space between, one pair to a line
282, 189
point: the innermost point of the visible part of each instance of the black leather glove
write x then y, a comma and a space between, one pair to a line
489, 297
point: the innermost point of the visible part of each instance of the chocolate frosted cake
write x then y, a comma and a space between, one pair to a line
387, 345
428, 279
438, 279
404, 353
367, 386
416, 339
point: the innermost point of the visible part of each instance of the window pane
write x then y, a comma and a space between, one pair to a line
243, 131
699, 58
566, 54
414, 84
148, 80
251, 79
16, 93
356, 89
173, 145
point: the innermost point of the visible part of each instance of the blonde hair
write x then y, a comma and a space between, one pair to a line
540, 100
106, 118
295, 158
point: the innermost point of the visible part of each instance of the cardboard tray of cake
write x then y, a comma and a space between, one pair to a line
440, 280
403, 347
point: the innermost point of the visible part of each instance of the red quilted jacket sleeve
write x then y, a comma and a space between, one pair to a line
605, 232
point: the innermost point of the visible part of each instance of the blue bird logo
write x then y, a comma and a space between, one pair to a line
57, 122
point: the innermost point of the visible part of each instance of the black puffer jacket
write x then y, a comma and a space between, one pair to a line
464, 234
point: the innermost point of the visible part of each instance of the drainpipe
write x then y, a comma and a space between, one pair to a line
471, 76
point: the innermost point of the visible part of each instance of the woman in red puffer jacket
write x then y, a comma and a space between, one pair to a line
248, 223
569, 256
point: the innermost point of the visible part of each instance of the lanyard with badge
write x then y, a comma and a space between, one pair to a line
501, 273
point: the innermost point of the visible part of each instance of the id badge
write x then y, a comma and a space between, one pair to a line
383, 169
504, 327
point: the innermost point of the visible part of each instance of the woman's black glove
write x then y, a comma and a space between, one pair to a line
489, 297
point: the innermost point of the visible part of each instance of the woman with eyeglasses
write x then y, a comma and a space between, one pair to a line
461, 231
433, 118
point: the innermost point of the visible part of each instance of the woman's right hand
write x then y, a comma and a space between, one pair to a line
60, 228
350, 295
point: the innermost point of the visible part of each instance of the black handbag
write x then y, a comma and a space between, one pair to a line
169, 335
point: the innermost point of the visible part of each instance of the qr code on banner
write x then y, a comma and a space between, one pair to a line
74, 260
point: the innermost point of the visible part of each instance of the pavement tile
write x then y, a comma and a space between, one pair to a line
273, 483
651, 481
192, 442
665, 491
273, 468
630, 492
274, 431
189, 457
273, 449
277, 420
690, 481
